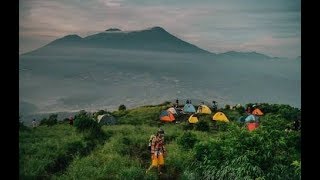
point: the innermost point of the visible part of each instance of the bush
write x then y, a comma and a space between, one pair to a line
86, 124
122, 107
220, 126
101, 112
202, 126
22, 126
188, 126
187, 140
51, 121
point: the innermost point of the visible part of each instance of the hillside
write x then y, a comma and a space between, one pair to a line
206, 149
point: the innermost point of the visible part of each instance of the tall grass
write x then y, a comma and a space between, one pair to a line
41, 146
209, 150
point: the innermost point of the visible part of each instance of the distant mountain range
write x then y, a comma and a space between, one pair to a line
149, 66
151, 39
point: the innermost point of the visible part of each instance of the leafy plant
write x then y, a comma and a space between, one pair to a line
52, 120
187, 140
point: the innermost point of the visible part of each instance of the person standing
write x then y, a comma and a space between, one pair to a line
177, 102
34, 123
158, 151
214, 105
71, 120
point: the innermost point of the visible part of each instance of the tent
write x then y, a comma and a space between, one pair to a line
242, 119
193, 119
220, 116
189, 108
173, 110
204, 109
166, 116
251, 118
106, 119
257, 112
252, 126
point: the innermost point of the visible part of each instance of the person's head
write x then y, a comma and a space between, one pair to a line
160, 132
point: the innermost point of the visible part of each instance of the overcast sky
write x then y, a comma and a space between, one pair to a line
271, 27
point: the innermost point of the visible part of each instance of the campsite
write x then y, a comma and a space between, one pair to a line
221, 144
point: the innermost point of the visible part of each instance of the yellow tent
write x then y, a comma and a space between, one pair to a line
220, 116
193, 119
204, 109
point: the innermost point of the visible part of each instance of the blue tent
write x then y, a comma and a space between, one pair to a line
189, 108
242, 119
251, 118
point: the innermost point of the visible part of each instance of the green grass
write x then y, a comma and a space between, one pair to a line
222, 151
41, 146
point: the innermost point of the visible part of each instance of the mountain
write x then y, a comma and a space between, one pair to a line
241, 55
149, 66
152, 39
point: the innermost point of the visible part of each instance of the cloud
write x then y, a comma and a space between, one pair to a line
111, 3
210, 24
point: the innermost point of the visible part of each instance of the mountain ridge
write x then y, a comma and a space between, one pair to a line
151, 39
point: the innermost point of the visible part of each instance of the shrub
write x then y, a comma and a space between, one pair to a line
187, 140
122, 107
101, 112
52, 120
22, 126
220, 126
86, 124
202, 126
187, 126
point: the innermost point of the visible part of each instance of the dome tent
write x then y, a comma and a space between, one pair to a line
166, 116
193, 119
106, 119
220, 116
189, 108
203, 109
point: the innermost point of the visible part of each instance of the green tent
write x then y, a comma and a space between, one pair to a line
106, 119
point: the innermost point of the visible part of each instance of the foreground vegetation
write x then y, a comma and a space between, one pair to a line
206, 150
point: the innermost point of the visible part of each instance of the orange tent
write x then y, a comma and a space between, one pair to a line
257, 112
252, 126
166, 116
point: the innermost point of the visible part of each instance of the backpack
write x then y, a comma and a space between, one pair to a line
150, 142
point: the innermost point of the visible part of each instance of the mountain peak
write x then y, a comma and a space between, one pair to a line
157, 28
67, 39
71, 36
113, 29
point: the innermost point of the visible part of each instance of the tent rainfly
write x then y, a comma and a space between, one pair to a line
106, 119
220, 116
193, 119
203, 109
257, 112
166, 116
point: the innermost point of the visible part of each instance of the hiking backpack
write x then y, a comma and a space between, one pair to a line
150, 142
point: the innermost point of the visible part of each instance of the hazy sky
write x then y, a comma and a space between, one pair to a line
272, 27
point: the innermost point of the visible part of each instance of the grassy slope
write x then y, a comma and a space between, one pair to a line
124, 155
